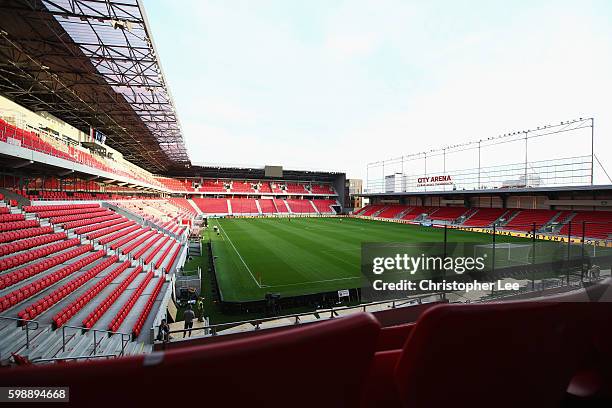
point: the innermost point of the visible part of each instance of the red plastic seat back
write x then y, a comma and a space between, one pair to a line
316, 365
500, 354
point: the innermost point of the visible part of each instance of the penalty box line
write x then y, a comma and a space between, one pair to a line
240, 256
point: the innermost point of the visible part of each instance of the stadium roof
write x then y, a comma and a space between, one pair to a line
92, 63
497, 191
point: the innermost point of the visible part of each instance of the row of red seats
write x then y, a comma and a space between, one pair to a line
138, 242
21, 258
11, 217
90, 221
447, 213
267, 206
118, 235
484, 217
160, 261
175, 255
300, 206
280, 206
543, 346
98, 226
31, 289
25, 233
28, 243
63, 213
108, 230
147, 246
147, 308
43, 304
11, 278
37, 208
16, 225
78, 217
129, 238
5, 210
153, 253
99, 311
73, 308
115, 324
324, 206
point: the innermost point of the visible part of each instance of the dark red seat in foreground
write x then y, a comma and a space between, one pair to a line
481, 355
320, 365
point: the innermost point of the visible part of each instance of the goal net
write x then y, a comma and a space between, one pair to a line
504, 254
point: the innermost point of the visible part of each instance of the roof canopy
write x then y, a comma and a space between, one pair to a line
92, 63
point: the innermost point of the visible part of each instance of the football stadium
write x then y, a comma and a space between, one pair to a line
468, 267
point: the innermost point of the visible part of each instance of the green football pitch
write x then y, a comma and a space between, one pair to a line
301, 256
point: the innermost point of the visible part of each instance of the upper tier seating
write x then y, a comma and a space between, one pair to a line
267, 206
300, 206
323, 206
52, 146
448, 213
525, 219
264, 187
244, 206
597, 224
322, 189
276, 188
212, 205
296, 188
242, 187
392, 210
213, 186
289, 357
484, 217
176, 184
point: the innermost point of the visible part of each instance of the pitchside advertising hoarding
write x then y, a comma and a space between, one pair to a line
475, 271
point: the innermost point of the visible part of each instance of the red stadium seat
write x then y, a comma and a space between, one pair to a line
335, 354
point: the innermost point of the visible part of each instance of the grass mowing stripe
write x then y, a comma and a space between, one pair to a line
307, 255
240, 256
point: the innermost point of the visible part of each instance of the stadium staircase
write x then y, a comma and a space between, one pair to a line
258, 207
402, 213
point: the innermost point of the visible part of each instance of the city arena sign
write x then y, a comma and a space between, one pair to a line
435, 181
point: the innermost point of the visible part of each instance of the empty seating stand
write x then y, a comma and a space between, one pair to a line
392, 211
73, 308
212, 205
447, 213
244, 206
60, 293
484, 217
300, 206
594, 224
526, 220
267, 206
324, 206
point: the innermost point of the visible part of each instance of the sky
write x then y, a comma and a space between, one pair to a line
334, 85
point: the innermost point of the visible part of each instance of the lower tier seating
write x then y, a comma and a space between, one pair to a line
324, 206
244, 206
267, 206
212, 205
300, 206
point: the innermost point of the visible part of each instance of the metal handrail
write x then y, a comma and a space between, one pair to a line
26, 325
46, 360
124, 342
333, 312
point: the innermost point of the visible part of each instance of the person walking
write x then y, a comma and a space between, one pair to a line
188, 316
